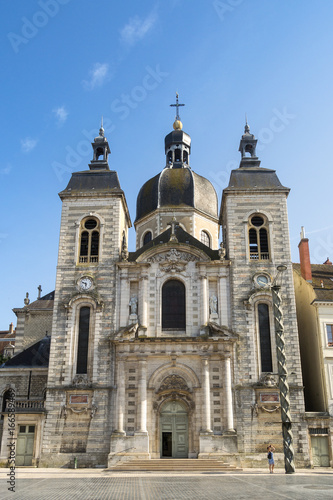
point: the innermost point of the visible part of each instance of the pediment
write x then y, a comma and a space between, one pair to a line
173, 259
172, 256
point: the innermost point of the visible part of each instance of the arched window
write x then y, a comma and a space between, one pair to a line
147, 237
248, 150
99, 152
173, 305
185, 157
169, 157
89, 241
265, 338
6, 395
258, 238
83, 340
205, 238
178, 154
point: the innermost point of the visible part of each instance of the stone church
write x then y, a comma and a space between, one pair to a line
169, 350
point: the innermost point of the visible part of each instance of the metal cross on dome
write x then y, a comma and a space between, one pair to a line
177, 106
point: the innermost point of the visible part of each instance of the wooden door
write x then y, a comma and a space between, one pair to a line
174, 431
25, 445
320, 453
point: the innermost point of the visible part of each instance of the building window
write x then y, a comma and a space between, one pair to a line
83, 341
147, 237
173, 305
329, 332
265, 338
205, 238
185, 157
258, 238
6, 396
89, 241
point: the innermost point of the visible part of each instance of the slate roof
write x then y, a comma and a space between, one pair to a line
322, 281
176, 187
254, 178
45, 303
35, 356
182, 237
93, 180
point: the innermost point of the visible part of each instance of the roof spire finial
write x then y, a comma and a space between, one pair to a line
247, 128
177, 123
101, 130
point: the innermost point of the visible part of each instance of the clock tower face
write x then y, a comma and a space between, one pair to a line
262, 280
85, 284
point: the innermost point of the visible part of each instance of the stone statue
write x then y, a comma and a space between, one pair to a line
133, 304
124, 251
222, 251
213, 304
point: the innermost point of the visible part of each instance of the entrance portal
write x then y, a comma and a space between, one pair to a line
174, 431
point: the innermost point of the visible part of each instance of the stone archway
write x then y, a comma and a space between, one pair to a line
174, 442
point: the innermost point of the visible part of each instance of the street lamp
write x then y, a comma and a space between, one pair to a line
283, 375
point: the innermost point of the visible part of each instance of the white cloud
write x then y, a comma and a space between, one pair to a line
61, 114
97, 75
28, 144
6, 170
137, 28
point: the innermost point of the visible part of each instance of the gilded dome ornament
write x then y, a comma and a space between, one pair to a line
177, 125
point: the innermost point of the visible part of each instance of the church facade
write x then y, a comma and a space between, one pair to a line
169, 350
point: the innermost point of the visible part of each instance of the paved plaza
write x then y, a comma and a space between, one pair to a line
88, 484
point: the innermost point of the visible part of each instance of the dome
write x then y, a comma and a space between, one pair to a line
177, 187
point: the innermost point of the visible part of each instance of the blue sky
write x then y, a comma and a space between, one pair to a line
65, 63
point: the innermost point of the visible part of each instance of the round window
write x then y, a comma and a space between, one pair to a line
90, 224
257, 221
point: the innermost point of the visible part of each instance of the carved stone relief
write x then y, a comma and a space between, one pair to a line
173, 382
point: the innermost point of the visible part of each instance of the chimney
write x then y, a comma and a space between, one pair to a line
327, 262
11, 328
304, 257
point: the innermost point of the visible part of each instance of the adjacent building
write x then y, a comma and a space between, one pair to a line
314, 304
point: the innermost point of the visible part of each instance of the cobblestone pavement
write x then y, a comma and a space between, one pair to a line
103, 485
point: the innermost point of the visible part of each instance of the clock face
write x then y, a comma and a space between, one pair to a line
85, 283
262, 280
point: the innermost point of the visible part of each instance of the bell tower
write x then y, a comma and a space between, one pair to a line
93, 239
247, 148
254, 219
101, 151
177, 143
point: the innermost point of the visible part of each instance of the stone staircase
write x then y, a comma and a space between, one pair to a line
174, 465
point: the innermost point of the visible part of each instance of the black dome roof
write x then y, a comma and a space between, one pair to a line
176, 187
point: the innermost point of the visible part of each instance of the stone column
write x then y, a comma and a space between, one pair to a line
120, 400
142, 395
204, 302
228, 406
206, 420
143, 314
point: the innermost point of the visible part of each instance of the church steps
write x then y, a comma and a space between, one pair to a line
177, 465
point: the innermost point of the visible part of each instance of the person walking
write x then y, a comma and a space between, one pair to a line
270, 457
